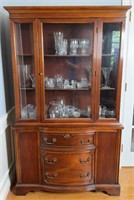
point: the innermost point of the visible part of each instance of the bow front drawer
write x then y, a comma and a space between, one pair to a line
66, 139
67, 168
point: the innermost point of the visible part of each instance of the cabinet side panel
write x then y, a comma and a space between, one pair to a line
29, 157
107, 152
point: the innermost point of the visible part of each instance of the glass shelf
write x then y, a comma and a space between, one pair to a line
108, 55
27, 89
25, 54
69, 89
107, 88
78, 55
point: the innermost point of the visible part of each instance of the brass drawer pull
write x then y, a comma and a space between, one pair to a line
88, 142
85, 161
87, 175
51, 176
66, 136
50, 162
49, 142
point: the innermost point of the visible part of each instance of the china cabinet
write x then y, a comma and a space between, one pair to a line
67, 64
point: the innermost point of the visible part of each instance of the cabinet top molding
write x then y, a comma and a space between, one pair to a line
66, 11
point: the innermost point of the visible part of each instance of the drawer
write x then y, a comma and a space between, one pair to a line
66, 139
67, 168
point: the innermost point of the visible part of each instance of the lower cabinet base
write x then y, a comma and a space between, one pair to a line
23, 189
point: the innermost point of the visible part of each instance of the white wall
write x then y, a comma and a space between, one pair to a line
127, 157
61, 2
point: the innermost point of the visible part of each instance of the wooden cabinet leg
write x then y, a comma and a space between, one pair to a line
17, 190
112, 190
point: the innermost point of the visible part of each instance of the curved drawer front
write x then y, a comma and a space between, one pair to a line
67, 168
67, 139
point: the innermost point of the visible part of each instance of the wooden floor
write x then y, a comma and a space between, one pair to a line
127, 191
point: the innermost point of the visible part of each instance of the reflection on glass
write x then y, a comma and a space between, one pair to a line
68, 71
109, 69
25, 59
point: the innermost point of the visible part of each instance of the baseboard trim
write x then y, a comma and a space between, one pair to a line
7, 181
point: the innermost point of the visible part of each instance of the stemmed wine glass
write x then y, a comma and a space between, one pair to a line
106, 72
74, 44
83, 44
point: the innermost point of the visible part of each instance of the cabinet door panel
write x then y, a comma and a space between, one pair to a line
108, 149
68, 69
28, 154
26, 70
110, 55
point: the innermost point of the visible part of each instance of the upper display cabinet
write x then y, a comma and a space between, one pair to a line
67, 65
26, 71
111, 45
68, 69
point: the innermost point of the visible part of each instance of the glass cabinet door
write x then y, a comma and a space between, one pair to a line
26, 69
68, 60
109, 69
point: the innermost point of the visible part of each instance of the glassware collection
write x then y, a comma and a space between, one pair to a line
62, 46
105, 112
60, 83
58, 109
28, 111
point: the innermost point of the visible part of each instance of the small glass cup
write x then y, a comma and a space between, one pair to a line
59, 81
63, 47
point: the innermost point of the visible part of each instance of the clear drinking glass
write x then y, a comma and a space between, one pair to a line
83, 44
25, 72
106, 72
74, 44
63, 47
58, 38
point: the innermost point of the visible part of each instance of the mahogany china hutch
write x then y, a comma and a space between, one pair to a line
67, 67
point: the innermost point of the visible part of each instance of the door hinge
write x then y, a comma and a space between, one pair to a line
122, 148
130, 16
125, 87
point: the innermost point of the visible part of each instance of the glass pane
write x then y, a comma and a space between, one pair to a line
26, 70
109, 69
68, 70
